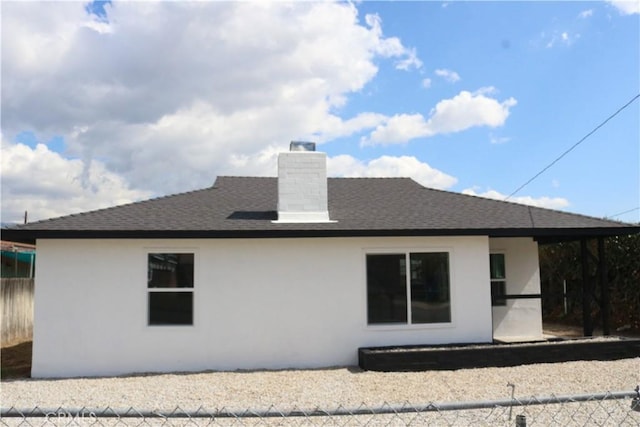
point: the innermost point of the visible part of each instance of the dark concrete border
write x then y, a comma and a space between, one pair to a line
460, 356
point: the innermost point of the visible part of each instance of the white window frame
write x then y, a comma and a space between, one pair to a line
192, 290
407, 251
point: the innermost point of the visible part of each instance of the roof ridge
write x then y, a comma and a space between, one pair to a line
328, 177
373, 177
244, 177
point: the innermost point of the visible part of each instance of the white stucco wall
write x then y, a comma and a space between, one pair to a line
520, 319
271, 303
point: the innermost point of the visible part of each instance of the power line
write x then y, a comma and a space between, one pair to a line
625, 212
573, 146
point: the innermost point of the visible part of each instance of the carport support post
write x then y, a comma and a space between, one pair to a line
604, 287
587, 324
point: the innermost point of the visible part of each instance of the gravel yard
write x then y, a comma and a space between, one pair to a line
327, 388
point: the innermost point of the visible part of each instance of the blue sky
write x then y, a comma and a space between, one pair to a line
110, 103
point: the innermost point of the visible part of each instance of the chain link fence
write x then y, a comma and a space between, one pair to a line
604, 409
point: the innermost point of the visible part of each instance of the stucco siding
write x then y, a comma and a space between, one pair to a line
270, 303
520, 319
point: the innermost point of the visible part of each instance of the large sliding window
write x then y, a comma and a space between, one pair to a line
408, 288
170, 288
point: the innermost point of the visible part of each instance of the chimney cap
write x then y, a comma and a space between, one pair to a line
302, 146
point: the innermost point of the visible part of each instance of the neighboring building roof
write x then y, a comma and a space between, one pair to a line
18, 251
16, 246
246, 207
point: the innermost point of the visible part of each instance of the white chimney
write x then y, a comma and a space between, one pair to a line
302, 184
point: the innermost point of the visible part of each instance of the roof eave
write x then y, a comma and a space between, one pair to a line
543, 235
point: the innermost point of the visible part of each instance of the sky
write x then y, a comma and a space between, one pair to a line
107, 103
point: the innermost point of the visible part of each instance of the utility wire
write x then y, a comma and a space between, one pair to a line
625, 212
573, 146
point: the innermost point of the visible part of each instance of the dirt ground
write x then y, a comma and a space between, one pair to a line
16, 358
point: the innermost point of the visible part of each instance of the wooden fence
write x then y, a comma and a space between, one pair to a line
16, 301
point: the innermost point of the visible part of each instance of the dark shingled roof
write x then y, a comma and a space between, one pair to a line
246, 207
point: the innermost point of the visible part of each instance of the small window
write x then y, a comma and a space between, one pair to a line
170, 288
498, 280
408, 288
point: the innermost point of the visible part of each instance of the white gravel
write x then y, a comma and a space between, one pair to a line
327, 388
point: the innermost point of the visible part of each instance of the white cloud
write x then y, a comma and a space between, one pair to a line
626, 7
389, 166
426, 83
466, 110
586, 13
334, 127
563, 32
392, 47
167, 95
448, 75
264, 163
493, 139
399, 129
410, 61
564, 38
46, 184
456, 114
541, 202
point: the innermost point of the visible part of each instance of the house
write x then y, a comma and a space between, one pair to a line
297, 271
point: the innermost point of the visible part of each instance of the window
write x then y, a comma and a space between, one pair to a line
498, 280
408, 288
170, 288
